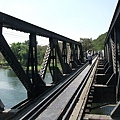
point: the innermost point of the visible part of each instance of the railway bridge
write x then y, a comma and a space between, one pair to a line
77, 88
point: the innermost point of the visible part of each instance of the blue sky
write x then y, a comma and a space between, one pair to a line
71, 18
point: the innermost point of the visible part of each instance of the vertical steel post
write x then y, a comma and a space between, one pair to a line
81, 56
66, 66
64, 52
53, 61
77, 54
0, 28
73, 57
55, 55
32, 58
109, 51
32, 64
105, 51
15, 65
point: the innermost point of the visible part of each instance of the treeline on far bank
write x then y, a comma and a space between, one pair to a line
93, 45
21, 49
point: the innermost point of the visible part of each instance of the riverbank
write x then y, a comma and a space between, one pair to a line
8, 67
11, 89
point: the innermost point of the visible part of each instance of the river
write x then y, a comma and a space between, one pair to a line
11, 89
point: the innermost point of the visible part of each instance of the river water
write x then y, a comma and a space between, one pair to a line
11, 89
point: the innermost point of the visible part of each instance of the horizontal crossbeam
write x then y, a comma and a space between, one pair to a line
20, 25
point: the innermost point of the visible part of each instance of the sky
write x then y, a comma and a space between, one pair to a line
74, 19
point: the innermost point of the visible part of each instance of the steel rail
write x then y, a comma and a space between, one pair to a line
66, 112
39, 110
42, 104
70, 106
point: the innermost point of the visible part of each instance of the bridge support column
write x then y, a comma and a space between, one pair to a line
53, 61
64, 56
15, 65
77, 55
32, 70
1, 29
81, 56
73, 56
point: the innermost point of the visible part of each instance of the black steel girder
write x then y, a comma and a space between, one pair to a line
115, 21
15, 65
20, 25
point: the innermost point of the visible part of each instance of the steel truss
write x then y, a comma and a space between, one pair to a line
55, 56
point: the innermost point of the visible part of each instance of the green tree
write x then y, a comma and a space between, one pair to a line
20, 50
86, 43
16, 48
98, 44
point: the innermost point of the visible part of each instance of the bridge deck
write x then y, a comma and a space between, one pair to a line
58, 105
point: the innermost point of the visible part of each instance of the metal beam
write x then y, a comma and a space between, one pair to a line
114, 20
13, 62
53, 61
20, 25
32, 62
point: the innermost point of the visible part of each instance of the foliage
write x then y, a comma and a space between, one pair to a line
86, 43
98, 44
21, 50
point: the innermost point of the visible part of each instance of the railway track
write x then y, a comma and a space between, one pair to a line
57, 103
